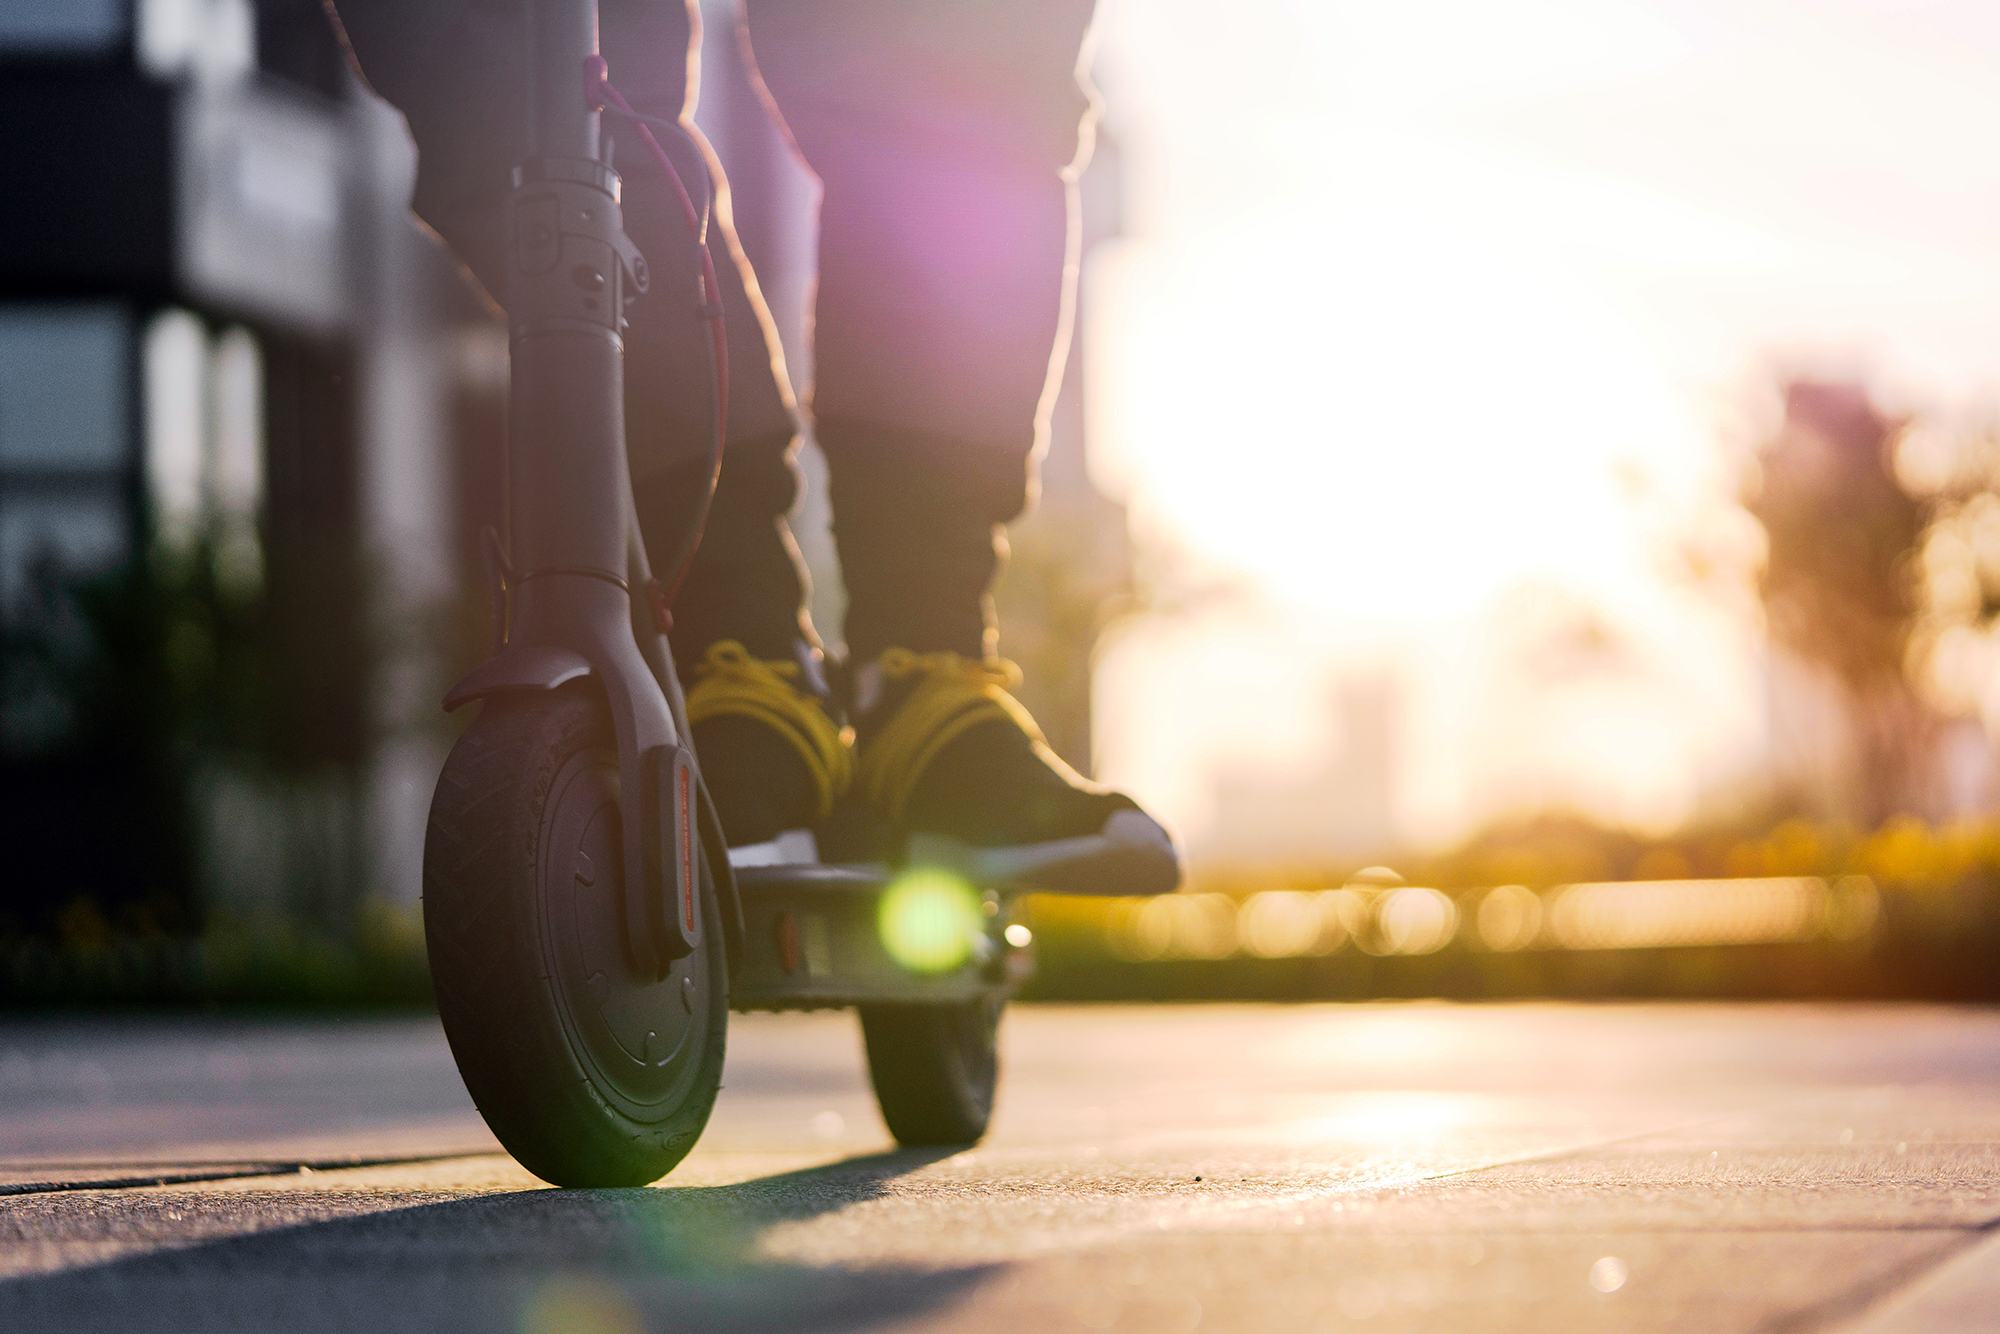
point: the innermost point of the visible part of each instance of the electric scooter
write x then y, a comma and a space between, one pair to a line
587, 933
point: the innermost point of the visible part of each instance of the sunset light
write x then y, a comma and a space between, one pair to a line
1436, 330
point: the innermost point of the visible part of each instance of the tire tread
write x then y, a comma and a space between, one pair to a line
494, 992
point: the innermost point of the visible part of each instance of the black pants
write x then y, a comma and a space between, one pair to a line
945, 135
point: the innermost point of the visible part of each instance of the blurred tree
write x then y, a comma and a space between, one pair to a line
1837, 586
1954, 651
109, 685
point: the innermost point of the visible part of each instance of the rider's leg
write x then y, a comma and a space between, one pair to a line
451, 67
771, 751
947, 140
941, 133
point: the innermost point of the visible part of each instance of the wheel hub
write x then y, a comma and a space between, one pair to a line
640, 1033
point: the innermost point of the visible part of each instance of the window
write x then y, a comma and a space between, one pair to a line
65, 442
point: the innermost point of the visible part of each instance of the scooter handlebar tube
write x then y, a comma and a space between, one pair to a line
571, 270
564, 35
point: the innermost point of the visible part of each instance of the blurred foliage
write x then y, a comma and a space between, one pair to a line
1935, 935
1954, 646
1551, 850
109, 686
118, 691
123, 657
1840, 531
1881, 570
267, 962
1841, 536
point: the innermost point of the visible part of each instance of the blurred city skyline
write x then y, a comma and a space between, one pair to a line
1437, 329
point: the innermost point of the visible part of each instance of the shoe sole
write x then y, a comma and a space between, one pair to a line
1131, 857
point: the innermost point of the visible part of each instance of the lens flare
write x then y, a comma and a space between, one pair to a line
929, 920
580, 1304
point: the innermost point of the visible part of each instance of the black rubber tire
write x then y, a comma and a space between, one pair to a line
935, 1068
522, 922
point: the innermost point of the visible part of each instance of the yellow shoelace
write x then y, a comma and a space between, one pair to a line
730, 681
954, 695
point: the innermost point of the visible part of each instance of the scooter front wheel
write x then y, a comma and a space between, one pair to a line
589, 1072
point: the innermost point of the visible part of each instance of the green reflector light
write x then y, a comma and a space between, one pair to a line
929, 919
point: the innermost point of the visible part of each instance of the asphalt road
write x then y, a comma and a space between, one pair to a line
1399, 1167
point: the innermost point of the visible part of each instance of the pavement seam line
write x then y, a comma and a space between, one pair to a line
292, 1167
1857, 1308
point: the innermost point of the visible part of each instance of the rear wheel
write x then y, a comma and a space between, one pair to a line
590, 1073
934, 1068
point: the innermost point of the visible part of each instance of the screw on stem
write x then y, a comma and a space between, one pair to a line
596, 82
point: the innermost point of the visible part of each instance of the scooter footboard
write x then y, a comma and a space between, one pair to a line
823, 937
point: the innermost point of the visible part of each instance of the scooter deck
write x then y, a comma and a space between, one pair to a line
812, 939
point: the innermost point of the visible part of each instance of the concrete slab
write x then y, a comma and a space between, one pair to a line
1961, 1294
1408, 1167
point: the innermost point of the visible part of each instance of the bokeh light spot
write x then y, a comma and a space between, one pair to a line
929, 920
1416, 920
1510, 918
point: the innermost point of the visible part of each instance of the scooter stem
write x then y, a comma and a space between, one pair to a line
571, 272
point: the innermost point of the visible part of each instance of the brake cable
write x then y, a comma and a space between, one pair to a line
601, 97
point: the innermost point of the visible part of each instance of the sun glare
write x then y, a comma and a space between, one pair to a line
1423, 312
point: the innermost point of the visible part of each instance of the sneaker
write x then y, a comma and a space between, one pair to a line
773, 757
960, 775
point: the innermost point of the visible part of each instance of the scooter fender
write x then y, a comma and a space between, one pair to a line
521, 667
653, 762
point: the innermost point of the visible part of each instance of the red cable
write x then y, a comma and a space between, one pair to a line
598, 91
